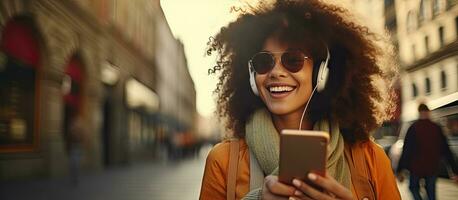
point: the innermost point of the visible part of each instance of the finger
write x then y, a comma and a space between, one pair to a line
328, 183
278, 188
310, 191
300, 195
300, 198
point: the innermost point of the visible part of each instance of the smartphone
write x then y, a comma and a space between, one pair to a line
301, 152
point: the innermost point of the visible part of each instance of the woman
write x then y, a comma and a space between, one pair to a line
303, 57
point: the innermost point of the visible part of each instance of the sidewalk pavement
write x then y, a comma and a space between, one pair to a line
445, 190
146, 181
141, 181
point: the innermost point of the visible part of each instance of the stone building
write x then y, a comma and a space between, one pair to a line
175, 88
92, 60
428, 48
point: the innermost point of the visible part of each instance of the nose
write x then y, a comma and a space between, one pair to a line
279, 70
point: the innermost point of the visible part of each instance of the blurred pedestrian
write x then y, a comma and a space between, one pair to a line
76, 136
274, 60
424, 147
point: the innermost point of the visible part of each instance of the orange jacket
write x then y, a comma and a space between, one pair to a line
215, 174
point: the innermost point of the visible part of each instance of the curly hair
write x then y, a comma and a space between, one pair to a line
357, 93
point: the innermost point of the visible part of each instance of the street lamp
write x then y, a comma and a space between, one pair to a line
109, 74
66, 84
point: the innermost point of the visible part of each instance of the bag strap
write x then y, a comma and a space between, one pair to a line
232, 170
360, 176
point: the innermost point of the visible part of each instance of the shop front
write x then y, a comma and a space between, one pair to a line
20, 67
142, 103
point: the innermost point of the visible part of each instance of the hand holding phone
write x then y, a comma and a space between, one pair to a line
302, 152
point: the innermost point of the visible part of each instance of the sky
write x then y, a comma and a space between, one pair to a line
193, 22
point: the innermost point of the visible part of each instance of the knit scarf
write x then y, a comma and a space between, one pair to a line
264, 141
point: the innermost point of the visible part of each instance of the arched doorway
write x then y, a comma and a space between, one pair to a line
20, 63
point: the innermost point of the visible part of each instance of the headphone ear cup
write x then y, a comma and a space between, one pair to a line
252, 80
322, 77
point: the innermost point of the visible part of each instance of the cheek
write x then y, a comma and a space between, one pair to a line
259, 79
259, 82
263, 93
307, 81
305, 77
309, 75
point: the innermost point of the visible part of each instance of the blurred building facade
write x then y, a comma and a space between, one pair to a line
424, 34
101, 60
428, 50
380, 17
177, 116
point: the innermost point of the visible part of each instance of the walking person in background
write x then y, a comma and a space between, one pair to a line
75, 152
275, 59
424, 146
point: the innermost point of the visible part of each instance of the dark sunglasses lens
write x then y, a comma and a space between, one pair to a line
262, 62
293, 61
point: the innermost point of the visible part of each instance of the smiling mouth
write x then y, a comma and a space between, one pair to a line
277, 90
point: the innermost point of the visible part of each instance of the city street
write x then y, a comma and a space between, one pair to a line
144, 181
113, 99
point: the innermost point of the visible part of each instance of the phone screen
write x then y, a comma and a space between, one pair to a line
302, 152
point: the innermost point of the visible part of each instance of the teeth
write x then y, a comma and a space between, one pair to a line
280, 89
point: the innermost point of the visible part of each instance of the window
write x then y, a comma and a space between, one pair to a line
391, 24
451, 3
443, 80
456, 26
412, 23
427, 44
414, 90
437, 6
413, 52
389, 3
423, 11
428, 86
441, 36
20, 54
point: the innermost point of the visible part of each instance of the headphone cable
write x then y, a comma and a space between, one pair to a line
306, 105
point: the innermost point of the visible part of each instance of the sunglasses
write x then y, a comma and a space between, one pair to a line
263, 61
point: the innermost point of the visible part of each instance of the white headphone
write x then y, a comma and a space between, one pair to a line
321, 78
252, 81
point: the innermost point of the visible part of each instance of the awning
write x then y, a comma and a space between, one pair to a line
445, 106
19, 41
441, 106
443, 101
140, 96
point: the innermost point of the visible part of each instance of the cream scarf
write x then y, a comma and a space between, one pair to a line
264, 141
